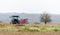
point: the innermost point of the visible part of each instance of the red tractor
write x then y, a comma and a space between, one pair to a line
15, 20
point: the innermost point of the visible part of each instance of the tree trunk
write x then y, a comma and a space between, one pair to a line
45, 22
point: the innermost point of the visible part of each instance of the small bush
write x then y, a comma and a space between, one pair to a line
55, 30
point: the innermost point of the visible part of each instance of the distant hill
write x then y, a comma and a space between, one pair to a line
4, 17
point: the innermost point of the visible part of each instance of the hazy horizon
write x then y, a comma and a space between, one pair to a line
31, 17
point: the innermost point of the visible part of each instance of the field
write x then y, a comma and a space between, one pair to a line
30, 29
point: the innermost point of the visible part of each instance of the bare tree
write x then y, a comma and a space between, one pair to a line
45, 17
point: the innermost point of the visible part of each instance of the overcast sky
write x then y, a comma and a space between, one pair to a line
30, 6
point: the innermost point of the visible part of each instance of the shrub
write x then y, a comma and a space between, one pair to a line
55, 30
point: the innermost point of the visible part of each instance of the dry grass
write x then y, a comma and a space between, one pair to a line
42, 24
28, 33
6, 32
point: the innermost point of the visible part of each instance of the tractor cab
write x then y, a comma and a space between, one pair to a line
15, 19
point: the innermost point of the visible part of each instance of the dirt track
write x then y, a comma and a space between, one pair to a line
29, 33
